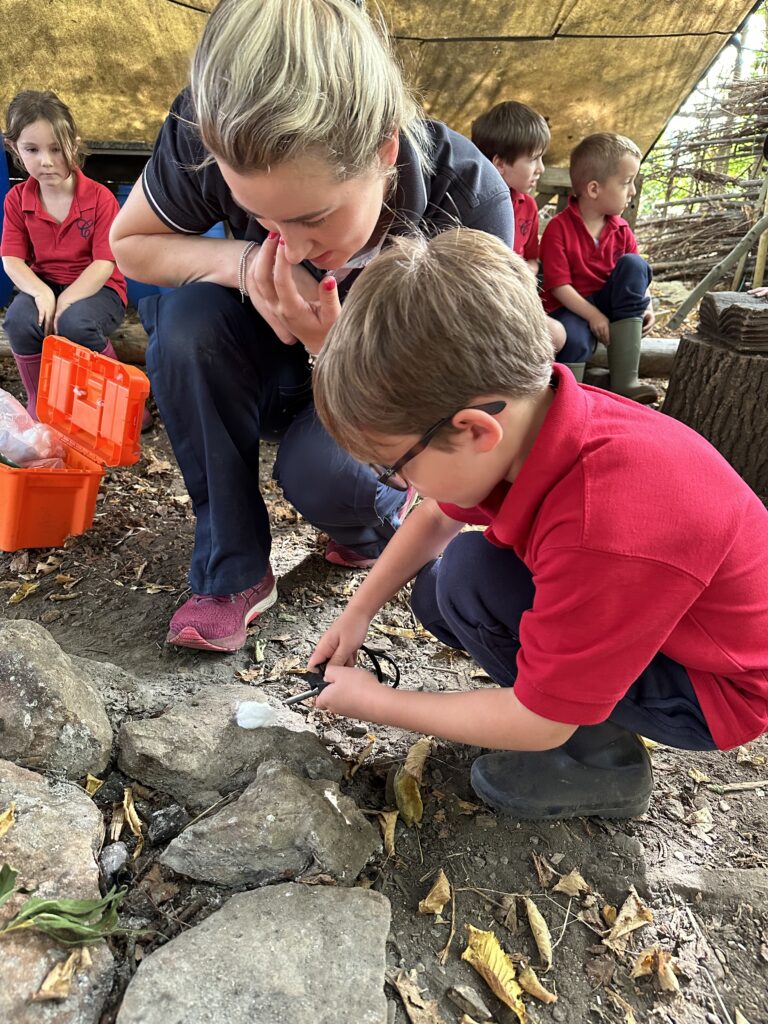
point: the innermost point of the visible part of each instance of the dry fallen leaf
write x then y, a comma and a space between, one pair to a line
387, 822
419, 1009
134, 822
494, 966
48, 566
405, 634
57, 983
572, 884
24, 591
544, 870
250, 675
540, 932
362, 756
437, 896
417, 756
698, 776
610, 913
739, 1017
633, 914
118, 822
531, 984
622, 1004
408, 797
7, 818
467, 808
92, 784
283, 667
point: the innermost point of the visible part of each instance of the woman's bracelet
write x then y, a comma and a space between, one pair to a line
241, 269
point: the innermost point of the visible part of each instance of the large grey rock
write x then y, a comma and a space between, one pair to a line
287, 954
198, 754
281, 827
52, 717
53, 844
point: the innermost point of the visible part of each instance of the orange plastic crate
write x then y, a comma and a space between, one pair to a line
95, 406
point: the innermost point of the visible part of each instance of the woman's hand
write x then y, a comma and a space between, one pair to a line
354, 693
339, 644
46, 310
305, 310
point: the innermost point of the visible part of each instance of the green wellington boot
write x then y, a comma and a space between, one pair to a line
577, 369
624, 360
602, 770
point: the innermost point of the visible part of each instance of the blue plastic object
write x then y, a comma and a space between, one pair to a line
6, 287
137, 290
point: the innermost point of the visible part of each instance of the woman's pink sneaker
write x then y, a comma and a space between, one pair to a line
339, 554
210, 622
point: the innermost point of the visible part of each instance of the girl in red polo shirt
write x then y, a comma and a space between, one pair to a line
55, 243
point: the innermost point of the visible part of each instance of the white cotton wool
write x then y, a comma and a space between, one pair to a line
252, 714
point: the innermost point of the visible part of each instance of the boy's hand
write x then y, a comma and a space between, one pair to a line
46, 310
649, 319
341, 642
600, 326
62, 305
354, 692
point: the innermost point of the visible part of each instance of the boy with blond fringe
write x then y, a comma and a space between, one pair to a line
595, 283
621, 584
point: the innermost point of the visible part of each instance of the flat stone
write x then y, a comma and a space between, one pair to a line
52, 717
469, 1001
166, 824
53, 843
287, 954
197, 753
282, 826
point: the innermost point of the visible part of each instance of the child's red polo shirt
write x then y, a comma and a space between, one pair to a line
61, 252
526, 224
641, 538
570, 255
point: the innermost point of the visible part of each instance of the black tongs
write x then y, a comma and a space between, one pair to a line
375, 656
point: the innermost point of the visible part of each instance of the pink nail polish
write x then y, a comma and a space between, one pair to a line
281, 242
329, 284
271, 236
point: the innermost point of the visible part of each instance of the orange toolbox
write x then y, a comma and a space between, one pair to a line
95, 405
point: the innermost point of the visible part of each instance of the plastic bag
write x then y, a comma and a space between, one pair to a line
31, 445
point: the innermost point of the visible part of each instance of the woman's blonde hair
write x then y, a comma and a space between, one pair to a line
275, 80
30, 106
430, 325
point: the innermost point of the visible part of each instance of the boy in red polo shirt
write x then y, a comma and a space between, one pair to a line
595, 283
515, 138
55, 244
621, 584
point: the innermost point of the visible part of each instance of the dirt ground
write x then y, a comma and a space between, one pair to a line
698, 860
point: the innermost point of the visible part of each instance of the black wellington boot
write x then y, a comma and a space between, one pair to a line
602, 770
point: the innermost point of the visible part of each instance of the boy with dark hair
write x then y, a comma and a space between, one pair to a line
515, 138
595, 282
621, 585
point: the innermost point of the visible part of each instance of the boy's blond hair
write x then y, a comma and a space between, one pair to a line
29, 106
511, 130
430, 325
279, 80
597, 157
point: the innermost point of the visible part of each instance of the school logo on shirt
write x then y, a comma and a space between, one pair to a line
85, 226
524, 227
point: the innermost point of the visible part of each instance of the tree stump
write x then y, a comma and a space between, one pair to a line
723, 395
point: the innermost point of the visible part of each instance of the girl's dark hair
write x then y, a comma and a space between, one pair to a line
30, 106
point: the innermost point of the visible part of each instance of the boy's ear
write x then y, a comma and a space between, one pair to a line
592, 189
498, 163
484, 431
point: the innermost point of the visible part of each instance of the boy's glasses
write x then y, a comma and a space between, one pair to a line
390, 475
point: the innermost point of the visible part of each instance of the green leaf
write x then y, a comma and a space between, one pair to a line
70, 922
7, 882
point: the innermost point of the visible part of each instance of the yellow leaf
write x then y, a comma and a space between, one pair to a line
437, 896
405, 634
610, 913
572, 884
665, 971
408, 797
92, 784
698, 776
134, 822
364, 753
24, 591
494, 966
387, 821
540, 932
58, 982
118, 822
465, 807
417, 756
739, 1017
649, 744
633, 914
8, 818
250, 675
645, 963
532, 985
622, 1004
419, 1009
